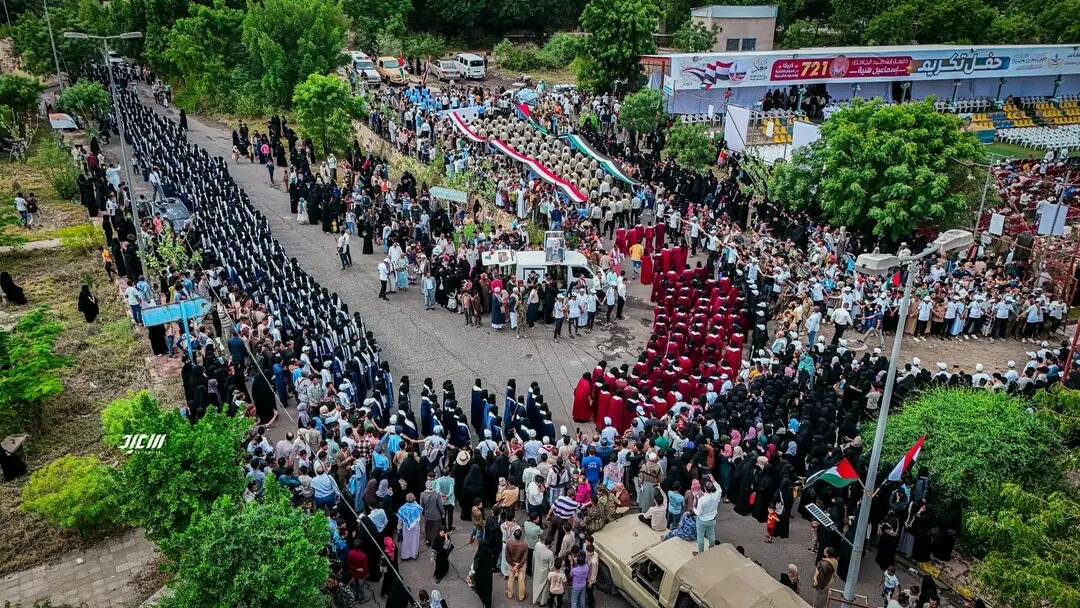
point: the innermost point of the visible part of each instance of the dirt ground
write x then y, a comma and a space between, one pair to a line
107, 362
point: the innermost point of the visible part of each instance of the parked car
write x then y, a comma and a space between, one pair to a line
446, 69
365, 67
390, 70
650, 573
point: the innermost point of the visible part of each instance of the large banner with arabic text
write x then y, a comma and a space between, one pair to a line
876, 64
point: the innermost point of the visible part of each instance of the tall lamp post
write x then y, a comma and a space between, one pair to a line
883, 264
119, 119
52, 42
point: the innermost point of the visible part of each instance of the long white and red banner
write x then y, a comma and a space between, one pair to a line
534, 165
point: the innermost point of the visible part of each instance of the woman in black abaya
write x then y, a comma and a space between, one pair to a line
12, 292
481, 577
263, 398
921, 525
366, 232
890, 539
88, 305
158, 345
786, 496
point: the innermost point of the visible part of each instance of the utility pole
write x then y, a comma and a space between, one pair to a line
52, 42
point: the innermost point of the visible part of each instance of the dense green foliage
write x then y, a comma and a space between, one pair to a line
882, 168
125, 416
643, 111
556, 53
693, 37
690, 145
73, 492
288, 40
620, 31
53, 159
19, 97
975, 441
1029, 548
1060, 407
263, 554
88, 101
163, 489
28, 369
324, 109
1004, 463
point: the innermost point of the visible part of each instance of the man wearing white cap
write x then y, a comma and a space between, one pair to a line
943, 375
1010, 374
979, 378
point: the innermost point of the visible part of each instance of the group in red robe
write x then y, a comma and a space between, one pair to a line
583, 411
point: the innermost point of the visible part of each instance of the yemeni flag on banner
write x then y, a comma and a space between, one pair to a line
842, 475
909, 459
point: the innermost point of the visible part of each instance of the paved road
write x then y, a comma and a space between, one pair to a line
421, 343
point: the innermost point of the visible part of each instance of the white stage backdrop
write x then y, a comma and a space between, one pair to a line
736, 125
804, 134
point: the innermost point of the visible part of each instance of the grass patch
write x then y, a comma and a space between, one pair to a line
53, 212
1002, 149
108, 362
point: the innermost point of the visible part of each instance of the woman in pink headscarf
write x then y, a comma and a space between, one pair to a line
736, 438
692, 496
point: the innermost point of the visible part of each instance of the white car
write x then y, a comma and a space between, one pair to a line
365, 68
446, 69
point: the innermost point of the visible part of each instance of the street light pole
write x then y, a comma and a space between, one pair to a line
52, 42
114, 94
123, 148
859, 543
882, 264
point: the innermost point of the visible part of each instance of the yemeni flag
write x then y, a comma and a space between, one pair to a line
909, 459
840, 476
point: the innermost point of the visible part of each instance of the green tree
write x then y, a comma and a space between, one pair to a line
325, 108
288, 40
976, 440
880, 168
561, 49
642, 112
424, 45
73, 492
1058, 23
28, 369
694, 37
31, 38
1028, 548
620, 31
53, 158
124, 416
161, 490
87, 100
690, 145
931, 22
215, 565
371, 17
200, 51
1013, 28
806, 33
21, 96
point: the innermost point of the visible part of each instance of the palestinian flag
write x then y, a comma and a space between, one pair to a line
842, 475
907, 461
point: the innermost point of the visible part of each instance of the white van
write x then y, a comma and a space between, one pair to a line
472, 66
523, 263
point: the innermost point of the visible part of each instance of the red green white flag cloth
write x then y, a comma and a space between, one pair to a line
841, 475
907, 461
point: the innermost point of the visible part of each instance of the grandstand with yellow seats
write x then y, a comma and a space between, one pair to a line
1064, 113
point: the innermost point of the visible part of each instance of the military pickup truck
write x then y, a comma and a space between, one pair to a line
654, 574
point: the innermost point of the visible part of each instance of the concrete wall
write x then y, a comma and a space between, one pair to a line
763, 30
